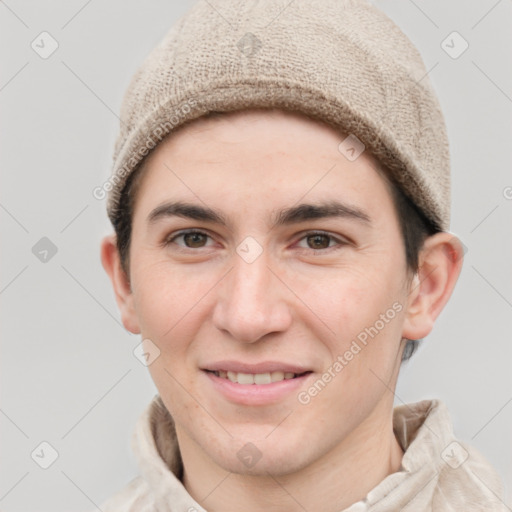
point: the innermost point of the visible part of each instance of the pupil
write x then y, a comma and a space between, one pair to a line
318, 241
194, 239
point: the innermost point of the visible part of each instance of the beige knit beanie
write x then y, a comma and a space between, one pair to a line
340, 61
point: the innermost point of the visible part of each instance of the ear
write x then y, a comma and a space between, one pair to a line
111, 262
440, 263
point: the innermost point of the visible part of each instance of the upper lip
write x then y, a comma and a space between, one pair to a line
262, 367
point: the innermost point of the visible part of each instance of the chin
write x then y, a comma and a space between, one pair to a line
261, 457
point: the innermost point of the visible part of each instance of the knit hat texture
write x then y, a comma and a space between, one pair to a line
343, 62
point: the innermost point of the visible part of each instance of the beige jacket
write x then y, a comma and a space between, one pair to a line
438, 472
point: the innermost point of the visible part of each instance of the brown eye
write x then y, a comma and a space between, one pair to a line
189, 240
318, 241
195, 240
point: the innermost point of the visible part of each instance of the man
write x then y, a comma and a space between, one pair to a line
280, 199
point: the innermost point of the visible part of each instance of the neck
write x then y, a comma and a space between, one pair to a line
331, 483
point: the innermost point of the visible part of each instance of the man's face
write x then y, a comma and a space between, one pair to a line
303, 262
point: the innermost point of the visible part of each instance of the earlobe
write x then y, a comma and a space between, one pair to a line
111, 262
440, 264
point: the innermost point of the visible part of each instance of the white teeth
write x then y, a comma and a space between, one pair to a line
245, 378
255, 378
262, 378
277, 376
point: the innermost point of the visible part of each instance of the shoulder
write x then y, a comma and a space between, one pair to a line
467, 479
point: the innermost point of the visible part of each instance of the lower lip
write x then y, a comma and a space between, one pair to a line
256, 394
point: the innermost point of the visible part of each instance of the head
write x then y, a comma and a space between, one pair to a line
249, 243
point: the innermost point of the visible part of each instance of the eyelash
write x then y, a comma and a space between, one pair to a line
168, 241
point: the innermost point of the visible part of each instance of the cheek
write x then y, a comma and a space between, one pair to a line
170, 305
166, 299
351, 300
365, 310
366, 316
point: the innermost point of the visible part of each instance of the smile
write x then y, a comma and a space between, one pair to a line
256, 378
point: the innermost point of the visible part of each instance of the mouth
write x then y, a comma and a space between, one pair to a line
259, 384
256, 378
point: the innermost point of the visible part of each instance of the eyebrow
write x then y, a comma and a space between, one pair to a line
286, 216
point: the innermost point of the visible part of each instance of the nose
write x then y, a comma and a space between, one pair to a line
251, 302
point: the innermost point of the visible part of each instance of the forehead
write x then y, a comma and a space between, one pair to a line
266, 156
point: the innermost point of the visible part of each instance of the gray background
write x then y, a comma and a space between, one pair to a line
69, 376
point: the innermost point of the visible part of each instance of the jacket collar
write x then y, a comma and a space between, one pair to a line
423, 430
